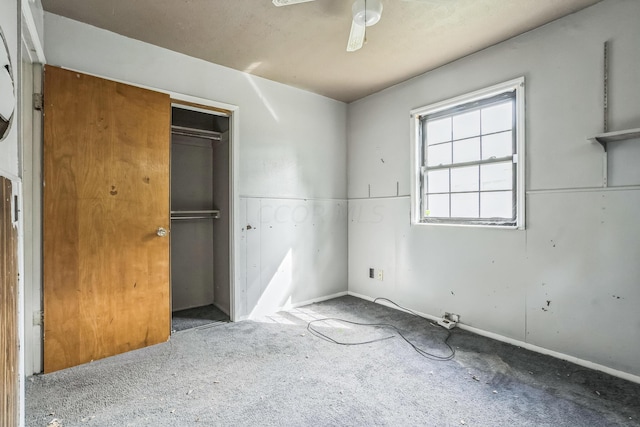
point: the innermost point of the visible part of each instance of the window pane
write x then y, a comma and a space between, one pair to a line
439, 154
466, 125
496, 176
497, 204
437, 206
464, 179
438, 181
497, 118
438, 130
497, 145
464, 205
466, 150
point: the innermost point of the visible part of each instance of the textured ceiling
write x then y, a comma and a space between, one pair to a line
303, 45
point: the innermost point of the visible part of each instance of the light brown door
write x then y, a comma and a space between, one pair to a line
9, 394
106, 192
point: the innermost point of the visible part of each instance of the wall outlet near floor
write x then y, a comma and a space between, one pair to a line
452, 317
380, 275
447, 323
449, 320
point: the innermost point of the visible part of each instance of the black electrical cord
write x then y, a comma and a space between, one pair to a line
418, 350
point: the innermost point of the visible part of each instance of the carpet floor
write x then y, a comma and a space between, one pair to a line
275, 372
207, 315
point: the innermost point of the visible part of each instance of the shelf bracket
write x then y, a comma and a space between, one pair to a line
601, 142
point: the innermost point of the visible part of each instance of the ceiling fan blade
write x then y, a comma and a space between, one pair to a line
356, 37
288, 2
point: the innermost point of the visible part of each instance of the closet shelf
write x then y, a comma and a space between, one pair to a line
199, 214
620, 135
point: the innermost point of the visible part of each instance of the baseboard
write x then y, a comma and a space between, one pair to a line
585, 363
314, 300
301, 303
310, 301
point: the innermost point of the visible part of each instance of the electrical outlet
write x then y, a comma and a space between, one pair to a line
452, 317
446, 323
380, 275
449, 320
372, 274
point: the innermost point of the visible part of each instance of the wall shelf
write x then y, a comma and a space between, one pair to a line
617, 136
607, 137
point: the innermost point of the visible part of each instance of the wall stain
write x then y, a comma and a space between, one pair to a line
548, 302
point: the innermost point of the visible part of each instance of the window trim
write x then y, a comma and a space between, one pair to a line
416, 117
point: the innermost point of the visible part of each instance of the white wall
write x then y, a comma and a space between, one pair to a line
9, 145
295, 251
292, 151
580, 249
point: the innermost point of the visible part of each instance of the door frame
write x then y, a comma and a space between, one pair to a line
218, 110
31, 170
233, 112
234, 198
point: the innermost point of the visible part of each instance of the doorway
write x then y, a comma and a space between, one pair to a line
105, 202
200, 217
106, 215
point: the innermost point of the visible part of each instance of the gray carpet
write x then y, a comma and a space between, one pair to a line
208, 315
276, 373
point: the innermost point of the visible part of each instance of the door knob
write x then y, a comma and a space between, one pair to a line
161, 231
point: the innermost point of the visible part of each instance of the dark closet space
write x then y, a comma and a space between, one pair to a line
200, 291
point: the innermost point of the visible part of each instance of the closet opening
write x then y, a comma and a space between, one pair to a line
200, 217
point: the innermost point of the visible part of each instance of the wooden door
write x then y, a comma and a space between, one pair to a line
8, 308
106, 192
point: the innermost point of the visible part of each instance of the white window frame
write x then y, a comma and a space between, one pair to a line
417, 143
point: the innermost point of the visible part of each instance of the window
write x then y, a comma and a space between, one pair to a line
468, 159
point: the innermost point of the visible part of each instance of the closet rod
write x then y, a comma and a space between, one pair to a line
194, 217
201, 211
199, 133
199, 214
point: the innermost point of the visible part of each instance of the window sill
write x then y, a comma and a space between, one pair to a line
486, 226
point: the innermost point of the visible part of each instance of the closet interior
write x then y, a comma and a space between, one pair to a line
200, 200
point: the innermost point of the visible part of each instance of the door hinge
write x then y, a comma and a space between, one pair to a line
38, 101
38, 318
16, 208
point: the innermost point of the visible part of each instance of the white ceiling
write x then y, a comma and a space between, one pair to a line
303, 45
